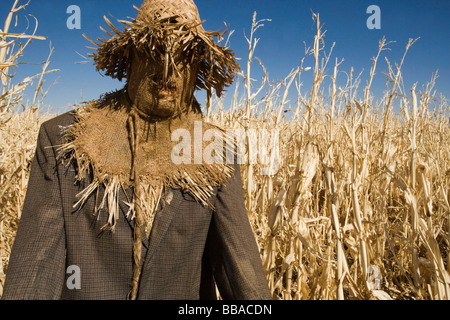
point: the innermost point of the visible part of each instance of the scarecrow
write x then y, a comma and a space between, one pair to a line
106, 197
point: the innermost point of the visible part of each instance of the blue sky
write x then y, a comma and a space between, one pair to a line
281, 45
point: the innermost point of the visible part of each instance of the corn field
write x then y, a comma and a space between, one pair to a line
358, 206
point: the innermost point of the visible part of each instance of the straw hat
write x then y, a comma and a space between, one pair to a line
186, 10
163, 29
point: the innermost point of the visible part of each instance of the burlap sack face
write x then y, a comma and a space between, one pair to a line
159, 91
161, 78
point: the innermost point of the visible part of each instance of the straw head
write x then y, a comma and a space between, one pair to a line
173, 25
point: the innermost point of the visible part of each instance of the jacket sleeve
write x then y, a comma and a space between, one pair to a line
237, 266
37, 261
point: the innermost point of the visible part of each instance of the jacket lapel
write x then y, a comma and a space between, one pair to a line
163, 219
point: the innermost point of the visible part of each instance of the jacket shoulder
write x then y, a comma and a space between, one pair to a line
54, 127
64, 119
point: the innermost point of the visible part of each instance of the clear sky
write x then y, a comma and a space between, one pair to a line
281, 45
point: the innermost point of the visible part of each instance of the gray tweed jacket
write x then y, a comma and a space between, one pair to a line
190, 250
